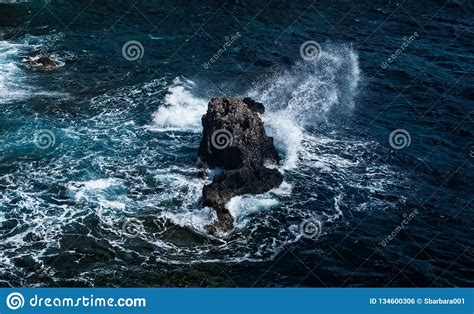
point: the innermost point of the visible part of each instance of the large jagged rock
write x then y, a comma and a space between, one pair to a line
233, 135
234, 140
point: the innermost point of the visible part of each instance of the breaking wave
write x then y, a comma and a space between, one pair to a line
181, 111
306, 95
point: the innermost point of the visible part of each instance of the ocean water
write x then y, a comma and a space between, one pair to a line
98, 172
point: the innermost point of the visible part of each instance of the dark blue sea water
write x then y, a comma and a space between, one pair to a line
98, 173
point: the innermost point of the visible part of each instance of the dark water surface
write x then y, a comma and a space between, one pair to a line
98, 182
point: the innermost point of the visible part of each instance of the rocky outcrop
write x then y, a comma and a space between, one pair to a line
234, 140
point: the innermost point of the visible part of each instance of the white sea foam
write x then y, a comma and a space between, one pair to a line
98, 184
103, 203
242, 207
84, 189
181, 111
197, 219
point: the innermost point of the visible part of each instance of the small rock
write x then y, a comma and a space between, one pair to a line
40, 62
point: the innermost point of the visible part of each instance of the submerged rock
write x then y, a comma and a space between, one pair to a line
234, 140
40, 62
